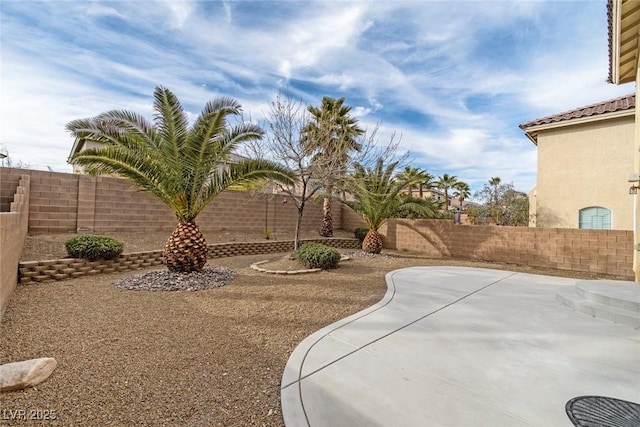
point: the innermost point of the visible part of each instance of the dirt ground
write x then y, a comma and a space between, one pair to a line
206, 358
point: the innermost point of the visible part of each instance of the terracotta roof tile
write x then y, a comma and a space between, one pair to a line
626, 102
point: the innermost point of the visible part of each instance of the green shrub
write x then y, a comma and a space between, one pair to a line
93, 247
360, 233
315, 255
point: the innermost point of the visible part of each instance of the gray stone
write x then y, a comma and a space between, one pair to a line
28, 373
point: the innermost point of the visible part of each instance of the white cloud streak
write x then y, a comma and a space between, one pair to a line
453, 78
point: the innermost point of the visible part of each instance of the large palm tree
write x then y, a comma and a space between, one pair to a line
333, 132
177, 163
378, 197
445, 183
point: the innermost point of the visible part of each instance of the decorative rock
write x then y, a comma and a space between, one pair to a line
19, 375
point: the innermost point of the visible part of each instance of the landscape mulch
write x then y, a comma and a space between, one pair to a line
213, 357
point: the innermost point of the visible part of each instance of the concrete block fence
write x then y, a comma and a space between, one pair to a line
68, 203
607, 253
13, 231
68, 268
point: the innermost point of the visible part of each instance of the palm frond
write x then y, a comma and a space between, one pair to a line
185, 167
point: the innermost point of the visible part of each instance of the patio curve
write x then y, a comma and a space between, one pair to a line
450, 346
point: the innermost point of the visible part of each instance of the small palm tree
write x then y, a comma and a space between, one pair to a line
333, 132
462, 191
378, 197
415, 177
494, 182
426, 182
445, 183
177, 163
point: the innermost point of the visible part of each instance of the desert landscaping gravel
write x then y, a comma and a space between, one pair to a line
211, 357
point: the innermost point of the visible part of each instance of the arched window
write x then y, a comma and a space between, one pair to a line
595, 217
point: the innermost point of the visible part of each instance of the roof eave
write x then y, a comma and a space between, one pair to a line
532, 131
615, 7
623, 22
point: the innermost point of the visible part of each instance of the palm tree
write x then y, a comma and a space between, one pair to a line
333, 132
415, 177
177, 163
495, 183
426, 182
409, 177
377, 197
445, 183
462, 191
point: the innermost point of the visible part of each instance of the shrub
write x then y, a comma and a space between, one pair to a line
360, 233
315, 255
93, 247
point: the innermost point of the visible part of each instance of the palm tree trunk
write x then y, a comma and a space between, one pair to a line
326, 228
372, 243
186, 250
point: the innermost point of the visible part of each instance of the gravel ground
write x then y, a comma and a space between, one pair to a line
209, 358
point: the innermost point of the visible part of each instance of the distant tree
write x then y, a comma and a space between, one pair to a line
426, 182
502, 204
334, 133
411, 177
516, 208
416, 178
494, 182
462, 191
9, 162
445, 183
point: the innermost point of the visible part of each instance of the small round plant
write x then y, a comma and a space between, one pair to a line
316, 255
93, 247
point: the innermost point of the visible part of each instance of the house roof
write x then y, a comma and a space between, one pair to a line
623, 19
618, 106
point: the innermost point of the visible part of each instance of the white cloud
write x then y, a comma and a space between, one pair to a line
420, 68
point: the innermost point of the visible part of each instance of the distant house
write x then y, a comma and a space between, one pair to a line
585, 157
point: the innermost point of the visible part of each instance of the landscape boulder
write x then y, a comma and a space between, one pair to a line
19, 375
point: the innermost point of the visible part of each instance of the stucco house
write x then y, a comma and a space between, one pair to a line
624, 53
585, 157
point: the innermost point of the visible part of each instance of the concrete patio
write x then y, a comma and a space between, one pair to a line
453, 346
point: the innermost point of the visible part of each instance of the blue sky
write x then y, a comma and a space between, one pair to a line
453, 79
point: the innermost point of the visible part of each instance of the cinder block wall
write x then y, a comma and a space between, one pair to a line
350, 219
62, 269
13, 231
68, 203
605, 252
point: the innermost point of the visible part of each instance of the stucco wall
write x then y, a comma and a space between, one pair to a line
585, 165
13, 231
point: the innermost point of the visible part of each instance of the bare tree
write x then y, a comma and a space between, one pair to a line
9, 162
285, 144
